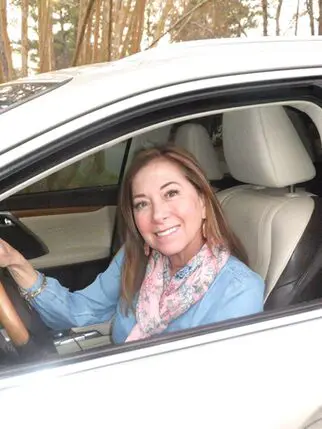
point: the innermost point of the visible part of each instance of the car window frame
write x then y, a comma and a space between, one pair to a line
210, 100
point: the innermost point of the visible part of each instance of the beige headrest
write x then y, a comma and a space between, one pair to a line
195, 139
262, 147
154, 138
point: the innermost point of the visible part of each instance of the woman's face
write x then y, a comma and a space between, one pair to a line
167, 209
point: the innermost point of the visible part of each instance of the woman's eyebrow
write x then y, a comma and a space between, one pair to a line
138, 196
163, 186
168, 183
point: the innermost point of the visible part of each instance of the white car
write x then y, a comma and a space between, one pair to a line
251, 112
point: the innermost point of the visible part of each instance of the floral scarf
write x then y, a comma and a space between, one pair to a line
163, 298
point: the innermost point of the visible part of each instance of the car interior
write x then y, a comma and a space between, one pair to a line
265, 166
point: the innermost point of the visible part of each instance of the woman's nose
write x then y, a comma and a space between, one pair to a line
159, 211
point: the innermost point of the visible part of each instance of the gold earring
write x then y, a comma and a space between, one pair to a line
146, 249
204, 232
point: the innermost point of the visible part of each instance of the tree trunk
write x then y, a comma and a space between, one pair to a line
161, 24
309, 8
127, 40
297, 15
24, 37
45, 36
84, 20
139, 25
97, 28
179, 21
110, 31
88, 48
320, 17
5, 46
265, 17
125, 23
278, 15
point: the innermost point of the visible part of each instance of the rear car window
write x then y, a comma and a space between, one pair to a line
14, 93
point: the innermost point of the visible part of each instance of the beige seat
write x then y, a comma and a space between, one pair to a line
278, 224
154, 138
195, 139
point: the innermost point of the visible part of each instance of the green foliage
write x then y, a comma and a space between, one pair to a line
64, 20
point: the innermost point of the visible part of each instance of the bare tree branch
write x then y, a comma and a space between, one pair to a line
82, 31
179, 21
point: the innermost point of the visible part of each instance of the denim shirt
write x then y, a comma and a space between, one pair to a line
236, 291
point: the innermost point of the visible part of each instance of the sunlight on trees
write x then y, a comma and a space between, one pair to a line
56, 34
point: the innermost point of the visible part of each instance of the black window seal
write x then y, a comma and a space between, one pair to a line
155, 112
158, 87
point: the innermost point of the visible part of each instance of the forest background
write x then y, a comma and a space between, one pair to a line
44, 35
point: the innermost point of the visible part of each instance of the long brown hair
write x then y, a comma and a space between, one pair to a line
216, 227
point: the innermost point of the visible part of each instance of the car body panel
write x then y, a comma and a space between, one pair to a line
195, 382
259, 373
11, 151
157, 68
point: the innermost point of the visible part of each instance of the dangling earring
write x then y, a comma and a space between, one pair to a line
146, 248
204, 233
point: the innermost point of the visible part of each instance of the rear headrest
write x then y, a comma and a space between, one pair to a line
154, 138
262, 147
195, 139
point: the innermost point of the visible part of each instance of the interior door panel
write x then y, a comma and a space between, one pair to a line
73, 238
21, 237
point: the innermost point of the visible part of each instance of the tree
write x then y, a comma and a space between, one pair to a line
6, 66
309, 8
277, 17
265, 17
320, 18
297, 15
45, 36
24, 37
209, 19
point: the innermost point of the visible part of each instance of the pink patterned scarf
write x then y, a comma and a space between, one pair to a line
163, 298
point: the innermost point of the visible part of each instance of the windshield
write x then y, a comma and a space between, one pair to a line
14, 93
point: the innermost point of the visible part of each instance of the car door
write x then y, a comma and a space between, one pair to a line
263, 375
254, 372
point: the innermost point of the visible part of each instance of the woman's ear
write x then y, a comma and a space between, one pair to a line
203, 207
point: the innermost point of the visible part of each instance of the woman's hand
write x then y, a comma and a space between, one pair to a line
21, 270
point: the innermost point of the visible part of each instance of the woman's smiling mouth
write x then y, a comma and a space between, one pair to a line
168, 231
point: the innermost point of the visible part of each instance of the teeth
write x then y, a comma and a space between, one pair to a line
167, 232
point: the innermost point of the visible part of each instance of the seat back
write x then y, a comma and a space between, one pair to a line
273, 221
195, 139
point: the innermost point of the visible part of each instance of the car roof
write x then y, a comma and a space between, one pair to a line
91, 86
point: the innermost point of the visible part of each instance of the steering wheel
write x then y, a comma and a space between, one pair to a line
11, 321
25, 328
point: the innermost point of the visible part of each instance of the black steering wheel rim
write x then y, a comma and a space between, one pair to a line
41, 337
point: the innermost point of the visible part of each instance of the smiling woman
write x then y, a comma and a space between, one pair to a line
178, 268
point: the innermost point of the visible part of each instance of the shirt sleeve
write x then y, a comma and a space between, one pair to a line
243, 296
61, 309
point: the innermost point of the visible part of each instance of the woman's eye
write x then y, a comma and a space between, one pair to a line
172, 193
140, 205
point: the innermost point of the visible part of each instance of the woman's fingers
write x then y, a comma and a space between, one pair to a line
7, 254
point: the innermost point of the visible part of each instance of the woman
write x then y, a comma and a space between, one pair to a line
180, 265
